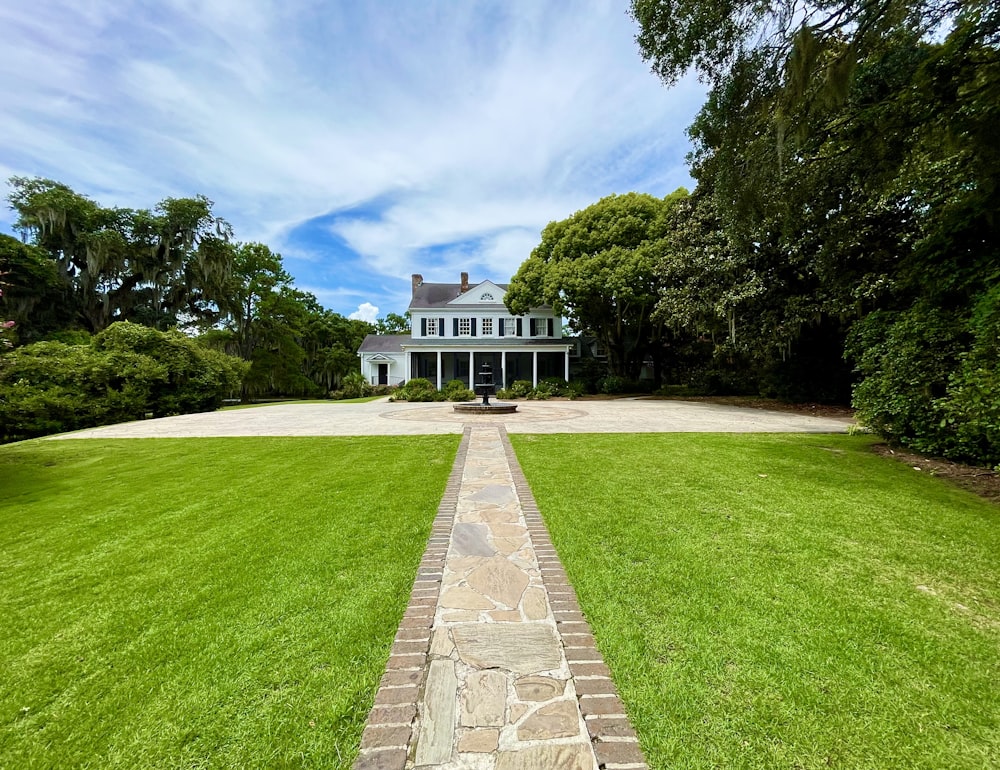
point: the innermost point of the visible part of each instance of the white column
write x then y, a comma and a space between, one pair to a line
472, 369
534, 368
406, 364
566, 364
503, 368
439, 370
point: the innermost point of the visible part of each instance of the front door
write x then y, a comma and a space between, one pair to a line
383, 374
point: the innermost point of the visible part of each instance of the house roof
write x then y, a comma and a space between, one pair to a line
431, 295
383, 343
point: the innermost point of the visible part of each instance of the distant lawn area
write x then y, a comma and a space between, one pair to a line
781, 601
224, 603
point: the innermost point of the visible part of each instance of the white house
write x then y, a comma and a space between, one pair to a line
456, 328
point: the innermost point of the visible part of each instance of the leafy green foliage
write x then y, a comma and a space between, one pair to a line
124, 373
457, 390
34, 295
127, 264
393, 323
89, 266
597, 268
419, 389
355, 386
924, 387
847, 164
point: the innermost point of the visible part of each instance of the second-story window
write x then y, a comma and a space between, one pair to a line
541, 327
464, 327
431, 327
487, 327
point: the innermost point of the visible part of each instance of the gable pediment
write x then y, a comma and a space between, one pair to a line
485, 293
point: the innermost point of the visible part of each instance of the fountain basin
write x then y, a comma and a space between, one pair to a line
477, 407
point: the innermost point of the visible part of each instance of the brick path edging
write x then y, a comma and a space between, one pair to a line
388, 732
611, 733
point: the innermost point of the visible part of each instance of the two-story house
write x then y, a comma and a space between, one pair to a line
456, 328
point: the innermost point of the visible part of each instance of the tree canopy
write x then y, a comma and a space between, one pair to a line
597, 268
847, 158
87, 267
147, 266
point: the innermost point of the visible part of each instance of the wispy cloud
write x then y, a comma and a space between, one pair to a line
367, 141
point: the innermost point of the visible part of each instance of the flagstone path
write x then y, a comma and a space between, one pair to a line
494, 667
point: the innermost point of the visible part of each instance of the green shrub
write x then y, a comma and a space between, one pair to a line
505, 393
520, 388
419, 389
612, 384
354, 385
904, 360
930, 379
575, 389
553, 386
197, 379
124, 373
457, 390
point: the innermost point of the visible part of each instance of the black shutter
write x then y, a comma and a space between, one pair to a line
473, 326
501, 327
520, 328
551, 327
423, 327
440, 327
454, 325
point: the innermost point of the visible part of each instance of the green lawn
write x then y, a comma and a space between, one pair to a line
204, 602
781, 601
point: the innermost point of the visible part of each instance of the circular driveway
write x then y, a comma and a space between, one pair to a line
380, 418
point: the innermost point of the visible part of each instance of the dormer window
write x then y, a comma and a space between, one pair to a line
486, 297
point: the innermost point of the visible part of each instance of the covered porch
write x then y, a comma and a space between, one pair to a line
442, 365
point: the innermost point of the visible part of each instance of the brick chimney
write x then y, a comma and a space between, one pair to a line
465, 283
415, 281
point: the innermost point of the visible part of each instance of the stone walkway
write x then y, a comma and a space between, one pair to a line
493, 666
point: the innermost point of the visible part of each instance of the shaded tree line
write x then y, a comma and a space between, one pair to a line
842, 238
82, 269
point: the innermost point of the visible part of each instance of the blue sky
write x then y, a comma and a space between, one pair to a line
365, 141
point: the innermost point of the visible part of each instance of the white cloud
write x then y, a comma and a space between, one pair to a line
481, 122
366, 312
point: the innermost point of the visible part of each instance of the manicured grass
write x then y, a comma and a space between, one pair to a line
781, 601
204, 602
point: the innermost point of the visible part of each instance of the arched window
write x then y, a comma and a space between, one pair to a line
486, 297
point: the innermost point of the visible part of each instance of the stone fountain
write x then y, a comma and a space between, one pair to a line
485, 388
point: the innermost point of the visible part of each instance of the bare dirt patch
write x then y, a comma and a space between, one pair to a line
981, 481
759, 402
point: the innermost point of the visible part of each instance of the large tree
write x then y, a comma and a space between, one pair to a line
850, 149
295, 346
598, 269
149, 266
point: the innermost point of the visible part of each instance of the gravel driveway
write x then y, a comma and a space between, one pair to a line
381, 418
